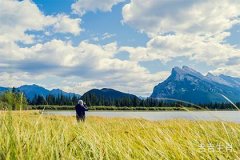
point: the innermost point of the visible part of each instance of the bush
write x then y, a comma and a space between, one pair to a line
13, 101
4, 105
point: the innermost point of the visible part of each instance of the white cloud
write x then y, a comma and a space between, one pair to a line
82, 6
107, 36
65, 24
15, 79
87, 62
104, 36
18, 17
85, 65
231, 70
193, 29
195, 48
192, 16
121, 81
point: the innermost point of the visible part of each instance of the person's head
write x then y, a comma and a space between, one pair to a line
80, 102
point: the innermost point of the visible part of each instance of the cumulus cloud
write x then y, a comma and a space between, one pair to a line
65, 24
18, 17
195, 48
86, 65
192, 16
193, 29
15, 79
85, 62
82, 6
227, 70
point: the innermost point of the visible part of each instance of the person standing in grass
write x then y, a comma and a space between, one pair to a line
80, 111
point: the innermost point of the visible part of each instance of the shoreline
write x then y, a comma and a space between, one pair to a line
127, 109
146, 110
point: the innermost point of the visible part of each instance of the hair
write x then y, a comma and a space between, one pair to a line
80, 102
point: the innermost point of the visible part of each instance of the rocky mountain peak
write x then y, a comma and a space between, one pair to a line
190, 85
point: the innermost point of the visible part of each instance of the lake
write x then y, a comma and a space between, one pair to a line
232, 116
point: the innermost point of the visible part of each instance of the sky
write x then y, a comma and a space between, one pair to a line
128, 45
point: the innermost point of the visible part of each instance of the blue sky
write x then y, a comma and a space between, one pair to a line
77, 45
97, 23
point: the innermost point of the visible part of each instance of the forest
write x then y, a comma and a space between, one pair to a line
15, 100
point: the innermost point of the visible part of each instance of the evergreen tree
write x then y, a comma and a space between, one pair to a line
13, 100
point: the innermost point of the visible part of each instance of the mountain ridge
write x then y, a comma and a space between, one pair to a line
108, 93
184, 84
32, 90
189, 85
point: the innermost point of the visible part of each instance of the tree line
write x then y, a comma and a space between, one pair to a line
60, 100
93, 100
16, 100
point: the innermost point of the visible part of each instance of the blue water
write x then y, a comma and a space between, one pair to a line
232, 116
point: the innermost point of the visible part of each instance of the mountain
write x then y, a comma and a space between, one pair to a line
234, 82
3, 89
31, 90
189, 85
107, 93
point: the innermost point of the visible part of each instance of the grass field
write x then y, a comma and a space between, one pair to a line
29, 135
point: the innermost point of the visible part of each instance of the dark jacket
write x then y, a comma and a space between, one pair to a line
80, 110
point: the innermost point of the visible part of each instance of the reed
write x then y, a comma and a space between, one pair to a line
30, 135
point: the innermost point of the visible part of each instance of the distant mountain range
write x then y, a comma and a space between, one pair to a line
107, 93
31, 90
189, 85
184, 84
2, 89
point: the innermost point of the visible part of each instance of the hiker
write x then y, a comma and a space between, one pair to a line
80, 111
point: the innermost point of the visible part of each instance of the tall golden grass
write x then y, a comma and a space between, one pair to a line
29, 135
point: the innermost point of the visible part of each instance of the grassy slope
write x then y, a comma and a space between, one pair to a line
31, 136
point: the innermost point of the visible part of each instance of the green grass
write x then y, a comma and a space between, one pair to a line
29, 135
